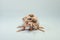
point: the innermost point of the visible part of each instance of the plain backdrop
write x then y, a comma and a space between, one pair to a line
12, 12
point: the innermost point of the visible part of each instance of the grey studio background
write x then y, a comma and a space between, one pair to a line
12, 12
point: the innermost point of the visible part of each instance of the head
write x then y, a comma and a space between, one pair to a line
30, 18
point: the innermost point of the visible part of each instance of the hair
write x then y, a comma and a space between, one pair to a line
31, 15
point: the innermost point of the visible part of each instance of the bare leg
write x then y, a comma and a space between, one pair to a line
21, 29
41, 30
41, 27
